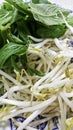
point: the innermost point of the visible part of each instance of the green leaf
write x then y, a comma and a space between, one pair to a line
70, 20
48, 14
40, 1
20, 5
14, 65
7, 17
23, 31
13, 38
23, 27
34, 71
23, 60
51, 31
3, 36
10, 49
7, 6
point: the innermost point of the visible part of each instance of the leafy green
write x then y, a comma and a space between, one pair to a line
10, 49
7, 16
13, 38
34, 71
51, 31
13, 63
23, 31
20, 5
40, 1
27, 67
48, 14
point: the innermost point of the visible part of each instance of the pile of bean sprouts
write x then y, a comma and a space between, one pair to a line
49, 95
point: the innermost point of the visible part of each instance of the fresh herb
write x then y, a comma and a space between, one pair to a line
11, 49
48, 14
34, 71
40, 1
51, 31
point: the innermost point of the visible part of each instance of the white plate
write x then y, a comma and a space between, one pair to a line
4, 126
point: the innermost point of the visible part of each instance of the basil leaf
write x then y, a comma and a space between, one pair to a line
10, 49
13, 38
48, 14
34, 71
14, 65
51, 31
20, 5
40, 1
